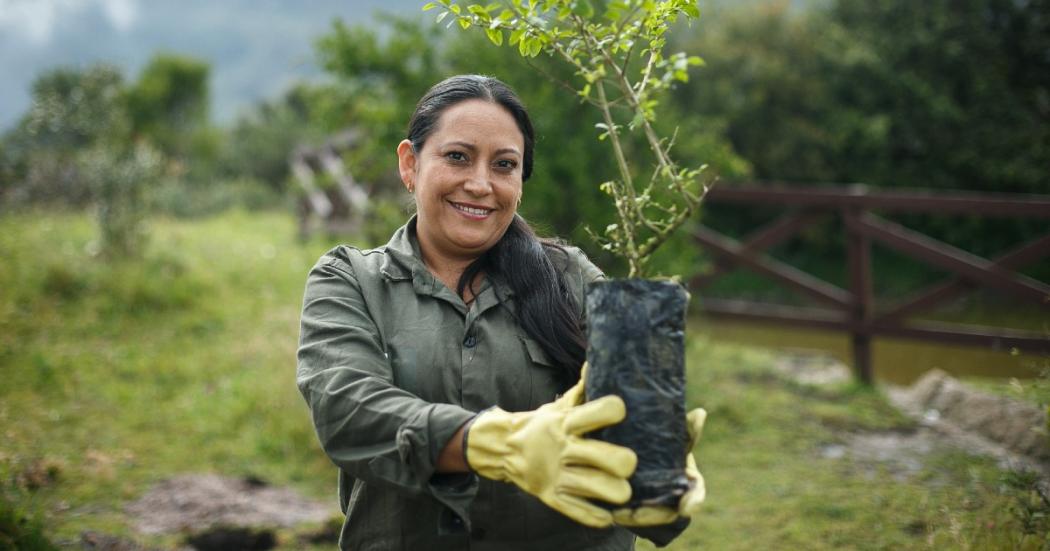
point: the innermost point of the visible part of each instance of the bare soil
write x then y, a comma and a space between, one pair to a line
949, 414
193, 503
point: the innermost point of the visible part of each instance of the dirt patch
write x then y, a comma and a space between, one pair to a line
193, 503
901, 453
949, 406
949, 413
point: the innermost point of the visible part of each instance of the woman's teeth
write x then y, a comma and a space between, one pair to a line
471, 210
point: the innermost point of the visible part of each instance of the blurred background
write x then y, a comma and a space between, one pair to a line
169, 172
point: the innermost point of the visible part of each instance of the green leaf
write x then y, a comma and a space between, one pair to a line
515, 36
637, 120
495, 35
464, 22
535, 48
478, 10
696, 60
584, 9
455, 9
691, 10
429, 6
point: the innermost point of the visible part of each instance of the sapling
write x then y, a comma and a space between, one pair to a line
635, 327
617, 51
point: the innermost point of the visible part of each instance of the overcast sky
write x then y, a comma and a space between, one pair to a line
256, 48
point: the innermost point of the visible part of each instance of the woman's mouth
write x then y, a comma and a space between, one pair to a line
471, 211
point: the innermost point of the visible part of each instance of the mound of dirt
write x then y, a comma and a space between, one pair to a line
193, 503
939, 397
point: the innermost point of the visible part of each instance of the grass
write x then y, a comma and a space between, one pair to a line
117, 374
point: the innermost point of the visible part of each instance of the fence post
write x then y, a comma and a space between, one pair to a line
858, 251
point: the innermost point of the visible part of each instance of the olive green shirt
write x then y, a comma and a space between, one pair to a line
392, 363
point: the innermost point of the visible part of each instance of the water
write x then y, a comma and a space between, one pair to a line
897, 361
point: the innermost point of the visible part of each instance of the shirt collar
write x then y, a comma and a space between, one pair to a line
404, 262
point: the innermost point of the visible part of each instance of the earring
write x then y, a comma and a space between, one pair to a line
411, 188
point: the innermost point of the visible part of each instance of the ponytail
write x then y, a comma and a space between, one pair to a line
546, 308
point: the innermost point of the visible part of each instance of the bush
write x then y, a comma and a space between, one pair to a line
20, 530
177, 197
119, 181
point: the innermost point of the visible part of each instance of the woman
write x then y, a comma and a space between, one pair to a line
463, 311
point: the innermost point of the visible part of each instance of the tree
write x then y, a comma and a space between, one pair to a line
169, 102
72, 109
599, 46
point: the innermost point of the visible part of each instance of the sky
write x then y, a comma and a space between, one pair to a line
257, 48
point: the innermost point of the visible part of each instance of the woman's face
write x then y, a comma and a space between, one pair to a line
466, 180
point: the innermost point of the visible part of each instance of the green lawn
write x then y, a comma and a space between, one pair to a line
118, 374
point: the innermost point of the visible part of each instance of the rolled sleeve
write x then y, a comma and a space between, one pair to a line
368, 427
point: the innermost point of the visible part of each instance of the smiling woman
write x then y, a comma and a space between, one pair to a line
464, 311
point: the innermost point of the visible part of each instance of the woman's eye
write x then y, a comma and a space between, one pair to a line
456, 156
506, 164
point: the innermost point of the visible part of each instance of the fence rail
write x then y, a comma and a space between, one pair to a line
854, 310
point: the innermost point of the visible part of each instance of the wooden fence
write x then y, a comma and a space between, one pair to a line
854, 310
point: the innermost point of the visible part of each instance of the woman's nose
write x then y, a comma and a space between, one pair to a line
478, 182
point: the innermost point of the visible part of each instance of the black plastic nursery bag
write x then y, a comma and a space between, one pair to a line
635, 347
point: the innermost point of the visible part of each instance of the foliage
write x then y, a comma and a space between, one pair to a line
380, 79
180, 198
20, 531
259, 143
1031, 506
169, 102
120, 180
897, 94
72, 109
600, 45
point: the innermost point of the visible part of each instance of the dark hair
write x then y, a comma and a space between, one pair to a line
546, 309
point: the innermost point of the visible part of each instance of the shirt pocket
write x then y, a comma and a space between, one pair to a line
543, 375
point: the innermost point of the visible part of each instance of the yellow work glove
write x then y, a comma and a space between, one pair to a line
654, 516
689, 502
543, 453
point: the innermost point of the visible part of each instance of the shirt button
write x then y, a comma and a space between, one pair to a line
470, 342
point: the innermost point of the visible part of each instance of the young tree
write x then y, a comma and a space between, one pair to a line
617, 52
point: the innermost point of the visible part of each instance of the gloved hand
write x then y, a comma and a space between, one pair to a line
543, 453
654, 516
690, 502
